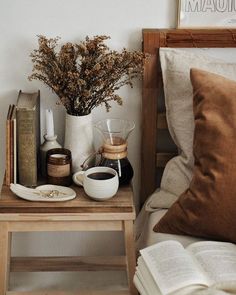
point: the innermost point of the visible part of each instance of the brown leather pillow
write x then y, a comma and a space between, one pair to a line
208, 208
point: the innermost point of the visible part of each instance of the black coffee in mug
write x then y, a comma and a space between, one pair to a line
101, 175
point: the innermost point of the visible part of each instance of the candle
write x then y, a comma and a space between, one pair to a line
59, 167
59, 156
49, 123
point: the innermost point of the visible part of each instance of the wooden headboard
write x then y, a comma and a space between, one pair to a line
154, 119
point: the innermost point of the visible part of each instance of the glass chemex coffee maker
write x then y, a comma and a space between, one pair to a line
113, 151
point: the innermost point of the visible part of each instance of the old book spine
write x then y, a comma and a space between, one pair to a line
7, 175
14, 153
13, 145
11, 151
8, 146
27, 149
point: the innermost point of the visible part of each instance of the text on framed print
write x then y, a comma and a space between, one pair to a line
207, 13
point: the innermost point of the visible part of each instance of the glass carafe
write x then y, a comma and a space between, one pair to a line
115, 133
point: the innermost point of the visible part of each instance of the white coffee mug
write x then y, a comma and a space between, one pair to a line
100, 183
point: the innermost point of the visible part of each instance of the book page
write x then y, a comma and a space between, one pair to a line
217, 258
145, 276
172, 267
140, 287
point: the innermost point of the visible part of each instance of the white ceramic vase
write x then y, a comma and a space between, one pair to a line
79, 139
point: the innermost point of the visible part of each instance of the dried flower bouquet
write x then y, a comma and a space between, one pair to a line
87, 74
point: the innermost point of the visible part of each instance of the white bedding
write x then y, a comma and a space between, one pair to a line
147, 237
153, 210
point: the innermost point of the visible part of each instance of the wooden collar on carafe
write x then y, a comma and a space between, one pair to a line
114, 149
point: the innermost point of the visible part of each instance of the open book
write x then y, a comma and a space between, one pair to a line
167, 267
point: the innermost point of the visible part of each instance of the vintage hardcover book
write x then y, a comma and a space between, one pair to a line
13, 146
8, 152
28, 136
167, 268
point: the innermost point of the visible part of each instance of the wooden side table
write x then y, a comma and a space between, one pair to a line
80, 214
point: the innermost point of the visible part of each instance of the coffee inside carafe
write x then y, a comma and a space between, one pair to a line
114, 148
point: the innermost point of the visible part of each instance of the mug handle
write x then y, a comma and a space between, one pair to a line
78, 178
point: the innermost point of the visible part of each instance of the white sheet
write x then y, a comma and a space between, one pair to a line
145, 236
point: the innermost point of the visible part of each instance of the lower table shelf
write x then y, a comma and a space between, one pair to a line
67, 263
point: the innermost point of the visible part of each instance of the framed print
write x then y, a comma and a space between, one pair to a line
207, 13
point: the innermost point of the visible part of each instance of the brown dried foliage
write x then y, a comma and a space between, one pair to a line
87, 74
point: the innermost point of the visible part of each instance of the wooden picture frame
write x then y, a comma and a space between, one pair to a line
206, 14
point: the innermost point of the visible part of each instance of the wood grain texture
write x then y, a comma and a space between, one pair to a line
5, 252
151, 90
86, 225
49, 292
153, 39
52, 217
187, 38
121, 202
130, 254
161, 121
65, 263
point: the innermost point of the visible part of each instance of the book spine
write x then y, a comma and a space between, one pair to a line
7, 175
11, 151
27, 146
14, 153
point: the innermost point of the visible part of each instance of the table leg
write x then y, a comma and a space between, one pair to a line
5, 253
130, 254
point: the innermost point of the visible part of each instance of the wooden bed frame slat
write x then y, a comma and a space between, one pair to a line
153, 39
193, 38
161, 121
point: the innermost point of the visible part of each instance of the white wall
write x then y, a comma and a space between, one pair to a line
72, 20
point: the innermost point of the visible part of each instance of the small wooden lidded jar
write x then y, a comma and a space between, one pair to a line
59, 167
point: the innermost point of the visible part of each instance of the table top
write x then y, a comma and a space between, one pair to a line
122, 202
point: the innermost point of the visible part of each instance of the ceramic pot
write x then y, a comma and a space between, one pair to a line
79, 139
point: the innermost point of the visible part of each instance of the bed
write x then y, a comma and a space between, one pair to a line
157, 146
153, 113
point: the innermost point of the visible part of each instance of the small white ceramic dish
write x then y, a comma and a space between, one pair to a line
44, 193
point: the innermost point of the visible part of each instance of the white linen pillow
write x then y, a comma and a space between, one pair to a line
176, 64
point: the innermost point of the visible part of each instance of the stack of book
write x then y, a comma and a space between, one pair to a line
168, 268
23, 140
